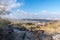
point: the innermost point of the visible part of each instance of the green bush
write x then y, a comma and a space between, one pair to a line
4, 22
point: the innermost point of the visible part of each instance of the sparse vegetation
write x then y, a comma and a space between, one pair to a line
4, 22
50, 27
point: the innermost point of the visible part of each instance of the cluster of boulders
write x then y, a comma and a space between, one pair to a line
15, 34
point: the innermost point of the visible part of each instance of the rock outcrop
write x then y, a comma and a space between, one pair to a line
56, 37
6, 34
14, 34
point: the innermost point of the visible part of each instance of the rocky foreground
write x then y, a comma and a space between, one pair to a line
23, 34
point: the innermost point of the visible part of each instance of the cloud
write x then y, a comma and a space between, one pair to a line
8, 6
44, 11
11, 4
54, 12
20, 14
48, 14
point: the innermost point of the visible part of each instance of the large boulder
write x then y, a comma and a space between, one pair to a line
45, 37
19, 35
37, 36
56, 37
29, 36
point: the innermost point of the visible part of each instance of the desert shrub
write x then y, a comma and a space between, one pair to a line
4, 22
29, 24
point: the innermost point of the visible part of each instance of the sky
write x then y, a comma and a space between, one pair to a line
33, 9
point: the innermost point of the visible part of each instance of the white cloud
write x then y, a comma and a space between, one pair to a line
44, 11
49, 14
20, 14
10, 4
54, 12
13, 4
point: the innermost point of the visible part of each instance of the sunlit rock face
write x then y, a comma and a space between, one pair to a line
56, 37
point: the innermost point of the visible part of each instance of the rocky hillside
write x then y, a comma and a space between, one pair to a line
15, 34
16, 31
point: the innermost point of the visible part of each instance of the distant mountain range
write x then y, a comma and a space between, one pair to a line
31, 20
40, 20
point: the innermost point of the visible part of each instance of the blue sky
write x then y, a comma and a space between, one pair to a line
36, 9
39, 5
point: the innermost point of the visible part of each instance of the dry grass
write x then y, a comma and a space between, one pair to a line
51, 27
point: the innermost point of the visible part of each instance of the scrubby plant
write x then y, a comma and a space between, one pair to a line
4, 22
